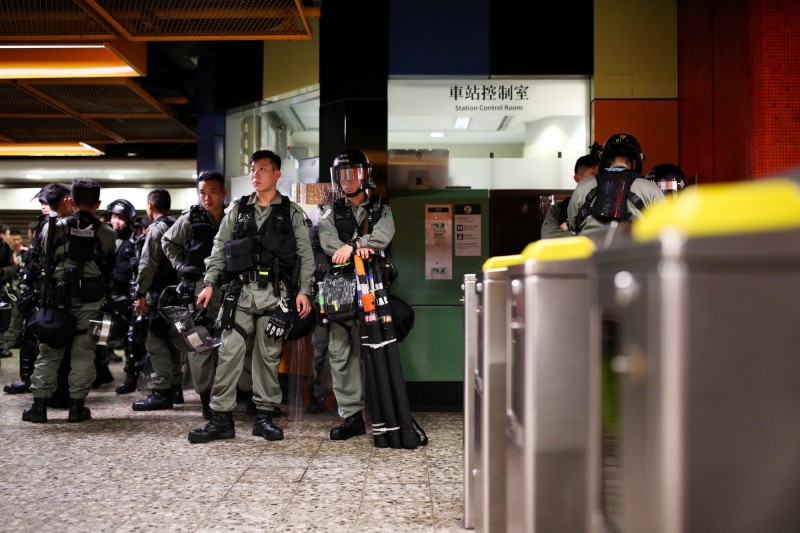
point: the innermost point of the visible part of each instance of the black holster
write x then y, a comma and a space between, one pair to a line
229, 302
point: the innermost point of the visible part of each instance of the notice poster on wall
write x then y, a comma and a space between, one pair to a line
468, 230
438, 241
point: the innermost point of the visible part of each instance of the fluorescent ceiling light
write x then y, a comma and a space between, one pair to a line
461, 123
116, 177
47, 149
33, 176
62, 61
436, 134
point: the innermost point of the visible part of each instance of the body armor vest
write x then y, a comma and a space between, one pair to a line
272, 247
84, 244
609, 200
345, 220
165, 274
125, 265
200, 239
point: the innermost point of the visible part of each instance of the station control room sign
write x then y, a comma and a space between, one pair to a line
527, 99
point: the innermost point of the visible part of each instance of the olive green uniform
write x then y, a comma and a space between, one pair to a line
82, 372
201, 364
343, 339
250, 318
165, 358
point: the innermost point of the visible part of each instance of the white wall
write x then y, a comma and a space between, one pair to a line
17, 199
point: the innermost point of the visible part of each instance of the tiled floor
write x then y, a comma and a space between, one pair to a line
127, 471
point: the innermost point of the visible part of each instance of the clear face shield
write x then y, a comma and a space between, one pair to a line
350, 179
669, 186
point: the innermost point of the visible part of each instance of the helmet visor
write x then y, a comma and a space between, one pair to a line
355, 177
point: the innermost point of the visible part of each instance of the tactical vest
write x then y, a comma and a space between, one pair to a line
124, 262
200, 240
270, 248
609, 199
84, 244
345, 220
165, 274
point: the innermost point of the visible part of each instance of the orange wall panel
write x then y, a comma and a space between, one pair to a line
654, 123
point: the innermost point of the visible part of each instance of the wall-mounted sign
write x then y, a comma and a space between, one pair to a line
468, 230
438, 241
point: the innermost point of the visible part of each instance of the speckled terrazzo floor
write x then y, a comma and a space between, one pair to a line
127, 471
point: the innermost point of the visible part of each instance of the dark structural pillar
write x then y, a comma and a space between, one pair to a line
354, 57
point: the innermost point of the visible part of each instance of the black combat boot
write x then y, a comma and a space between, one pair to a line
37, 413
177, 394
220, 427
205, 399
263, 426
352, 426
77, 411
28, 351
103, 375
157, 400
129, 385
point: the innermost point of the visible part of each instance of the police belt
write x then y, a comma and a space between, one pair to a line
254, 276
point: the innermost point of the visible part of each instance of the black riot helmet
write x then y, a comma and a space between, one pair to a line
669, 178
107, 328
622, 145
352, 163
123, 208
185, 334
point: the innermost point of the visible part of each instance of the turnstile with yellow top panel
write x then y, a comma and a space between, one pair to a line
487, 483
547, 398
699, 424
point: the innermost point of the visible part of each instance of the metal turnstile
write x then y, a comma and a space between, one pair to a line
547, 399
488, 474
471, 326
700, 374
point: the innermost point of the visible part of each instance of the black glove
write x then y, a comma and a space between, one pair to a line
280, 322
190, 273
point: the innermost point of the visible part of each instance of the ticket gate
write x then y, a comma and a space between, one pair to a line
471, 325
700, 425
489, 389
547, 399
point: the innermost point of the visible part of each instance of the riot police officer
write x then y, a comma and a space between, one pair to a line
122, 216
54, 198
187, 244
668, 177
264, 249
78, 255
360, 223
154, 275
618, 192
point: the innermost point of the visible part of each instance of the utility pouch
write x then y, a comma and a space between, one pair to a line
74, 288
339, 293
91, 290
60, 293
263, 278
239, 256
229, 303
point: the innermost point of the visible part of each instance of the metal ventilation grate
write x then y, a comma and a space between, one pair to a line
148, 129
98, 98
50, 129
23, 19
209, 19
15, 101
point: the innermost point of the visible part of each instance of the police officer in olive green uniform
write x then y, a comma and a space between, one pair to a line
618, 192
263, 247
82, 254
187, 244
555, 221
358, 224
155, 274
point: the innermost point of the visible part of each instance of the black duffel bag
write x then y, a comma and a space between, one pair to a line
52, 326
